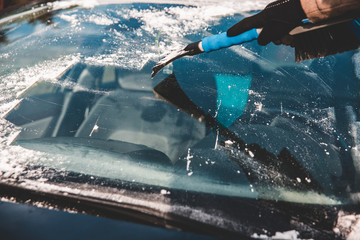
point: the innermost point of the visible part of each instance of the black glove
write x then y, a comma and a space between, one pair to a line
276, 20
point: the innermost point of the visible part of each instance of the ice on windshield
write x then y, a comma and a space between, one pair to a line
127, 36
84, 103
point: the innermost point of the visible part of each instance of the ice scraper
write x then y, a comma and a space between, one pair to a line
310, 41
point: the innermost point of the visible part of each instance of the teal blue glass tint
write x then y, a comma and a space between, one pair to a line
232, 96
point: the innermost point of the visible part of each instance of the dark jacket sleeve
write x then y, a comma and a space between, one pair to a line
317, 10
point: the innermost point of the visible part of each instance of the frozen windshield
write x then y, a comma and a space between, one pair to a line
77, 98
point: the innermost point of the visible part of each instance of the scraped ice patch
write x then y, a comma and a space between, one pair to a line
59, 5
101, 20
4, 56
355, 151
127, 60
288, 235
246, 53
326, 119
356, 61
14, 83
70, 18
246, 5
348, 226
307, 197
97, 18
164, 192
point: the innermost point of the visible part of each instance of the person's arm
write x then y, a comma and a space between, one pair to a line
318, 10
279, 17
276, 20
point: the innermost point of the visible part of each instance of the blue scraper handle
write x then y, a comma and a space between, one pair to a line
208, 44
221, 40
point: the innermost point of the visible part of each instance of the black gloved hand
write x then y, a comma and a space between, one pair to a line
276, 20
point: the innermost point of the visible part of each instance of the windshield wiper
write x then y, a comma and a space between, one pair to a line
283, 170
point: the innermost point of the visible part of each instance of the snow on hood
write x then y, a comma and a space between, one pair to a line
242, 5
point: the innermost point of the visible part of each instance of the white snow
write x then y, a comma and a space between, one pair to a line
348, 226
289, 235
246, 5
58, 5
